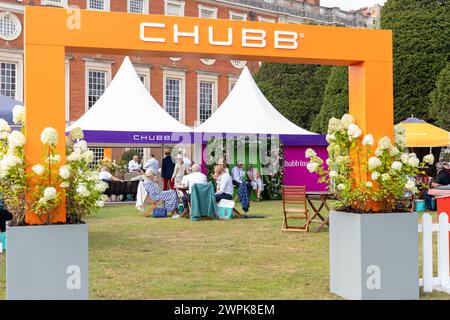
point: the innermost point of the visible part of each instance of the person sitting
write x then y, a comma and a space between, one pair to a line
5, 216
441, 181
135, 164
178, 171
255, 180
224, 184
237, 173
167, 169
152, 164
189, 180
106, 176
170, 197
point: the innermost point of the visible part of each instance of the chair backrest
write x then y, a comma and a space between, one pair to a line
294, 194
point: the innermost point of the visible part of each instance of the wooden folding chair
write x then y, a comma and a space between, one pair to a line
153, 205
295, 207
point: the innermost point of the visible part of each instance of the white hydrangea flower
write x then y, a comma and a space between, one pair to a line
16, 139
384, 143
385, 177
410, 185
412, 155
329, 162
80, 146
375, 175
378, 152
101, 186
399, 129
83, 191
333, 125
74, 156
42, 200
341, 186
64, 185
414, 162
312, 166
330, 137
404, 158
369, 184
88, 156
18, 114
394, 151
9, 161
374, 163
368, 140
396, 165
429, 158
310, 153
49, 136
64, 172
100, 203
38, 169
333, 174
5, 129
50, 193
347, 120
354, 131
77, 133
55, 159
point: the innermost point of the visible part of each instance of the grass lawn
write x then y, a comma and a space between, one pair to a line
132, 257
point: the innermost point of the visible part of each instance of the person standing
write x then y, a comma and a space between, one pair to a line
179, 171
152, 164
167, 168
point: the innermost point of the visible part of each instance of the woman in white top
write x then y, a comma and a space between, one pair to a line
179, 171
255, 180
224, 184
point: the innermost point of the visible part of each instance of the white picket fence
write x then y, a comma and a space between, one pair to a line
441, 229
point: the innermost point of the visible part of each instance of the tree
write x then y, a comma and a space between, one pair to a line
295, 90
440, 99
421, 30
335, 100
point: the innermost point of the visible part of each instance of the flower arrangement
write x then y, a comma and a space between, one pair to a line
366, 180
46, 182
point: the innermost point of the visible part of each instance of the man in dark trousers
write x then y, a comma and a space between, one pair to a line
5, 215
167, 170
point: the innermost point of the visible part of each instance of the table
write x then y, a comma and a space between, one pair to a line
323, 197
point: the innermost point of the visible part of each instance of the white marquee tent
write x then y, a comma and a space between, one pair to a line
126, 113
247, 111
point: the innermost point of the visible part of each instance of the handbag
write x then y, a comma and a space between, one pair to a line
159, 213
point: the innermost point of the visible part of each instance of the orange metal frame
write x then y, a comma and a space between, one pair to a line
50, 32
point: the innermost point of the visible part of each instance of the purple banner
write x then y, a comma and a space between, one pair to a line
295, 172
127, 137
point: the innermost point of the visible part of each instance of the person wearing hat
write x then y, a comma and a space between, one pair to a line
179, 171
442, 180
167, 169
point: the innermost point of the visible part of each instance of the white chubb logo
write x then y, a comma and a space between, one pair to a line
73, 281
374, 280
74, 20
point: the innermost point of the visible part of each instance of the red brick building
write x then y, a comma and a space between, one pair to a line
189, 89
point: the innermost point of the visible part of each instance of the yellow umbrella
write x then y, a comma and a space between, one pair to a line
419, 133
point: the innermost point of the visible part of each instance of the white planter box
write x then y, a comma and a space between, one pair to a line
374, 256
47, 262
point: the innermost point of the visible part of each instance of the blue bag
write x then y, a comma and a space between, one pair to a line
159, 213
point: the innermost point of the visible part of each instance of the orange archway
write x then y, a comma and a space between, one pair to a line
49, 32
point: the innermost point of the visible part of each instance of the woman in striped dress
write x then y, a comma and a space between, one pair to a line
153, 190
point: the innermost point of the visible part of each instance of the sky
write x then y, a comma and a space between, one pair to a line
350, 4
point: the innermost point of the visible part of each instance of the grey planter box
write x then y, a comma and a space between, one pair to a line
374, 256
47, 262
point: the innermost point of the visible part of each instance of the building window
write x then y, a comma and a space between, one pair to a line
101, 5
231, 84
207, 96
138, 6
98, 77
173, 8
56, 3
99, 155
208, 62
207, 12
238, 64
143, 72
263, 19
174, 82
10, 26
238, 16
8, 80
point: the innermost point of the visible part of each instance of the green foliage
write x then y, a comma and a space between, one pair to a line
440, 99
128, 155
335, 99
421, 31
296, 90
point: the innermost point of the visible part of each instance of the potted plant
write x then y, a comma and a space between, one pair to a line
47, 260
373, 238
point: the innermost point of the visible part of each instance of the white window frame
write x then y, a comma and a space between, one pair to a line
175, 2
231, 83
264, 19
16, 58
60, 3
146, 9
17, 23
202, 7
208, 78
95, 66
238, 14
181, 75
144, 72
107, 6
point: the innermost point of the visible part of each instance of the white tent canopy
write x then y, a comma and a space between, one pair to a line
126, 113
247, 111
